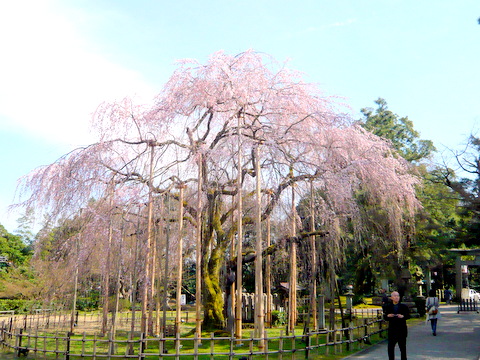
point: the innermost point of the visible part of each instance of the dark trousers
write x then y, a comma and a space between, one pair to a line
434, 325
402, 344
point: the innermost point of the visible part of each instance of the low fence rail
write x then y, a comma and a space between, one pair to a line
467, 305
61, 320
75, 346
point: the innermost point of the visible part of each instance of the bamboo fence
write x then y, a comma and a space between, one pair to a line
16, 335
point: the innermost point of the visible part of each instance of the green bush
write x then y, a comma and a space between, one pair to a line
279, 318
20, 306
87, 304
358, 299
123, 304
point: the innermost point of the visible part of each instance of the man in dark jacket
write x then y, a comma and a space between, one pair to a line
397, 314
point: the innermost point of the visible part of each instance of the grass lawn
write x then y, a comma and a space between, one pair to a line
83, 341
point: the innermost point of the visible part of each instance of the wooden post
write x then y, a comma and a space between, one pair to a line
238, 313
74, 303
280, 345
56, 342
159, 239
94, 349
268, 278
83, 342
458, 277
146, 287
179, 269
117, 301
134, 285
117, 287
292, 291
212, 346
232, 352
198, 235
167, 266
106, 280
259, 308
313, 293
231, 297
151, 291
111, 346
250, 342
36, 338
307, 347
19, 341
196, 341
293, 347
142, 346
44, 345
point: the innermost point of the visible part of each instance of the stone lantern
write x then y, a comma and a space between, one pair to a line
406, 276
420, 288
349, 296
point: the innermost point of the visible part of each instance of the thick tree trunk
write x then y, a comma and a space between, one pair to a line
213, 317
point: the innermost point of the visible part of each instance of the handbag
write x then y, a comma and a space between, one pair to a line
433, 310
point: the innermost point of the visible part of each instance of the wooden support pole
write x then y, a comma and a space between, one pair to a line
259, 308
292, 290
268, 277
198, 275
178, 321
238, 312
146, 287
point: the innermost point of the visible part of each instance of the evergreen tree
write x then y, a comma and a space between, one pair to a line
436, 223
468, 191
399, 130
12, 247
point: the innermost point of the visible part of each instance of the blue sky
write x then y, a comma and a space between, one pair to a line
61, 59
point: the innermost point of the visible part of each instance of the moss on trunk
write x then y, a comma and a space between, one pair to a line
213, 297
214, 246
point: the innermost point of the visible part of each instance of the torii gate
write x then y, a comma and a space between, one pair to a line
459, 262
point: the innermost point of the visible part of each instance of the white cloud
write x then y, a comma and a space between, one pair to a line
50, 83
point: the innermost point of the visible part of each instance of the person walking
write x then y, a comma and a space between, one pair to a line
448, 296
397, 314
433, 314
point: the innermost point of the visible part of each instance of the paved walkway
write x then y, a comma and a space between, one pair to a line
458, 338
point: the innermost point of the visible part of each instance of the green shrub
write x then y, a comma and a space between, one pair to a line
279, 318
87, 304
20, 306
123, 304
358, 299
